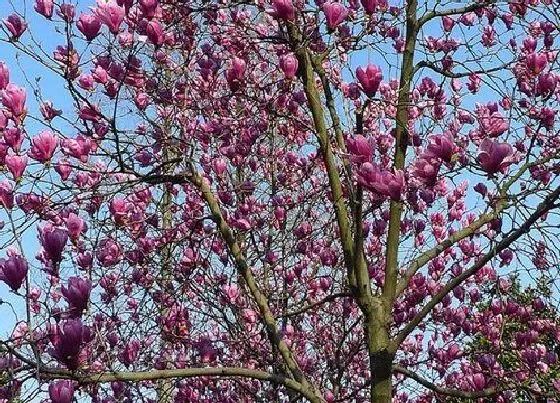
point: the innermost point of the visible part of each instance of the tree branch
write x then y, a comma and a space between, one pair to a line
315, 304
424, 63
454, 11
546, 205
314, 99
489, 392
137, 376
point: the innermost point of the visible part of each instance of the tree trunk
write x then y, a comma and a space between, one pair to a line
381, 379
380, 354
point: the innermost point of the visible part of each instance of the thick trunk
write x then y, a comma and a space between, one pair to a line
381, 385
380, 355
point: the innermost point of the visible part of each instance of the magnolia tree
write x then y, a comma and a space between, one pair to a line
279, 201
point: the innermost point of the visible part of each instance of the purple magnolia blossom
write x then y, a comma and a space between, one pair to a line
77, 293
289, 65
426, 171
89, 25
359, 148
108, 252
110, 14
53, 240
384, 183
15, 25
44, 7
335, 13
67, 340
13, 271
283, 9
61, 391
440, 147
13, 98
369, 78
494, 124
4, 75
43, 146
494, 157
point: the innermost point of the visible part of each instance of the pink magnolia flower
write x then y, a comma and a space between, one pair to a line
494, 157
110, 14
44, 7
13, 137
74, 225
426, 171
6, 195
154, 32
478, 381
3, 152
369, 78
89, 112
13, 98
16, 165
494, 125
4, 75
232, 293
80, 147
89, 25
448, 23
15, 25
61, 391
148, 7
369, 6
48, 111
474, 83
13, 271
382, 182
536, 63
467, 19
547, 117
63, 169
219, 166
141, 100
546, 83
440, 147
283, 9
236, 73
359, 148
77, 293
108, 252
53, 240
289, 65
87, 82
67, 12
43, 146
335, 13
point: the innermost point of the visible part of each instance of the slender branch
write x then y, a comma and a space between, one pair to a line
329, 98
546, 205
314, 99
138, 376
489, 392
446, 73
401, 137
427, 256
315, 304
454, 11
